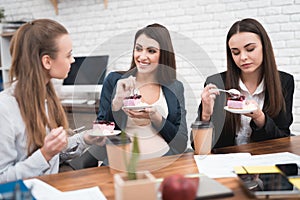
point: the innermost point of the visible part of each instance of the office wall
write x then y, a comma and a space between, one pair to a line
198, 29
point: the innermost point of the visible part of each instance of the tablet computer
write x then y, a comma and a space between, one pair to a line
269, 185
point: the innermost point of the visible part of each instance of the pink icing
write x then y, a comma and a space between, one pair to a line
131, 102
104, 126
236, 104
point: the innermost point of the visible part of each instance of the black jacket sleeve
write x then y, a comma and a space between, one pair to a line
174, 128
107, 94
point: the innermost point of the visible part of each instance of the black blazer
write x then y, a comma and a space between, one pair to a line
174, 128
276, 127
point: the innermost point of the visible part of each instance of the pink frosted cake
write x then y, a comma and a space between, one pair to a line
236, 102
103, 125
132, 100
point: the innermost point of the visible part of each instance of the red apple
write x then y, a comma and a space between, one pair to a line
178, 187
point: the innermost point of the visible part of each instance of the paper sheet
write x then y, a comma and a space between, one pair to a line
44, 191
295, 181
222, 165
256, 169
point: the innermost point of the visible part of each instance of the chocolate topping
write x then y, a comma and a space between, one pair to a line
136, 96
237, 98
103, 122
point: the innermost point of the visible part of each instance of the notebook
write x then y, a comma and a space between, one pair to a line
210, 188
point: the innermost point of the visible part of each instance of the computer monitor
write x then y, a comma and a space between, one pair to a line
86, 75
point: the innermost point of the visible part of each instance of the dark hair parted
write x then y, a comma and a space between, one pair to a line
29, 44
166, 72
270, 74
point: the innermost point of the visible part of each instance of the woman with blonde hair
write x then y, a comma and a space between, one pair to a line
32, 120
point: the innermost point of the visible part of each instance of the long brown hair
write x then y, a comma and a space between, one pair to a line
270, 74
166, 72
33, 89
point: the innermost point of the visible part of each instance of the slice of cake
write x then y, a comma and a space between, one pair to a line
132, 100
103, 125
236, 102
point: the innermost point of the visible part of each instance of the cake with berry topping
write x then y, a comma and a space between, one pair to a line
103, 125
132, 100
236, 102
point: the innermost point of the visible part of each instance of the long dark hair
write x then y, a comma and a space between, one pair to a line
166, 72
273, 90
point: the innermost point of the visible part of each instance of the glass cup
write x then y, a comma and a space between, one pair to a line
117, 151
202, 133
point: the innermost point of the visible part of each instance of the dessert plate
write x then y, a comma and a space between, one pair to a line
104, 133
247, 109
137, 107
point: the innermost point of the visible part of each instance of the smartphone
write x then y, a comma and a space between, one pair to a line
289, 169
269, 185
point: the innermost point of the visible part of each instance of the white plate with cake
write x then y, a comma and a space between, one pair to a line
103, 128
134, 103
137, 107
237, 104
103, 133
247, 109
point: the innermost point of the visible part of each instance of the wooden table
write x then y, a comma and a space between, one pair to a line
162, 167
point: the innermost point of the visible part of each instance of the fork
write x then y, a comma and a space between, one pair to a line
134, 92
232, 92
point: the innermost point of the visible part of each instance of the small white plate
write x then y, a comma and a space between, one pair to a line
103, 133
137, 107
245, 110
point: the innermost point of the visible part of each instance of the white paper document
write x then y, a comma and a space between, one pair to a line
44, 191
222, 165
219, 165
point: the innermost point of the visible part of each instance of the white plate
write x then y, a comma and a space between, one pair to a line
245, 110
103, 133
137, 107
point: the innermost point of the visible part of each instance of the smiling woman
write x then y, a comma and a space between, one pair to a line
153, 69
161, 128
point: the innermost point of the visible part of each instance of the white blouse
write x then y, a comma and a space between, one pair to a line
151, 143
243, 135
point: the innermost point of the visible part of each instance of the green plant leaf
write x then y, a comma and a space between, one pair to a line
124, 141
131, 164
135, 154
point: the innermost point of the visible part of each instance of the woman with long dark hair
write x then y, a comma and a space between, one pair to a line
251, 68
161, 129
